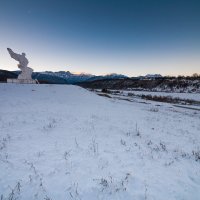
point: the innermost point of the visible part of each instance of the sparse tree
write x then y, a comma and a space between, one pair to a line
195, 75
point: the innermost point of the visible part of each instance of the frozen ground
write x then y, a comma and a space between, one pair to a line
63, 142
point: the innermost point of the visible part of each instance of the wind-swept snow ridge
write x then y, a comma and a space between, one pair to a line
63, 142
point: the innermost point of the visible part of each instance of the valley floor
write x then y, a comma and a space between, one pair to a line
61, 142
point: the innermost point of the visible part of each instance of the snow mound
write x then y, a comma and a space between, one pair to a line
60, 142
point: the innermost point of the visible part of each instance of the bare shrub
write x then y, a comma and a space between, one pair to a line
94, 147
123, 142
137, 131
110, 185
154, 109
67, 154
196, 155
104, 90
50, 125
73, 192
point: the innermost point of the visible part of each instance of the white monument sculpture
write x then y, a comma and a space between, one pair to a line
26, 72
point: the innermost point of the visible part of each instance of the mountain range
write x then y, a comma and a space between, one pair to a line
150, 82
60, 77
67, 77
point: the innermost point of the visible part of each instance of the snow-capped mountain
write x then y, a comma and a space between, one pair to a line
75, 78
70, 77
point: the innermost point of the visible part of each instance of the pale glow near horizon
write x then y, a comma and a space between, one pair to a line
138, 66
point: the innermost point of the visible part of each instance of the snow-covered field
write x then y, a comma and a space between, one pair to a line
191, 96
61, 142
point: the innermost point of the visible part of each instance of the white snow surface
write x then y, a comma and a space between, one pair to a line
61, 142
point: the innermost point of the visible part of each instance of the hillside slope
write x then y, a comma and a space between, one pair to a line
63, 142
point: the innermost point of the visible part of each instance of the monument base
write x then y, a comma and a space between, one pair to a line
21, 81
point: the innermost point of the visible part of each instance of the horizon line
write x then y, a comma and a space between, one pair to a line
104, 74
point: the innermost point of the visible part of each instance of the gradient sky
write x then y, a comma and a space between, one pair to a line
131, 37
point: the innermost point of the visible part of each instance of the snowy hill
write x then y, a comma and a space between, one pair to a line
62, 142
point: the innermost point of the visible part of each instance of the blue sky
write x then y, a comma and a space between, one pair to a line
132, 37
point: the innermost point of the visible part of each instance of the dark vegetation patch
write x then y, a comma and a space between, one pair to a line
169, 84
169, 99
